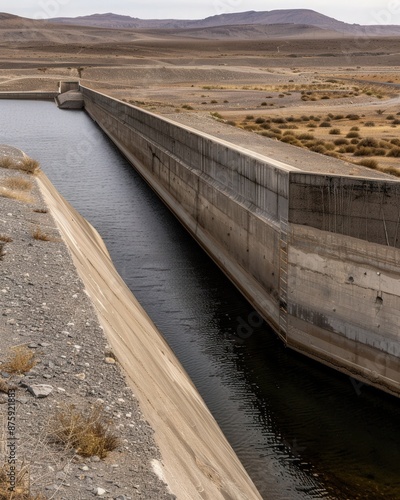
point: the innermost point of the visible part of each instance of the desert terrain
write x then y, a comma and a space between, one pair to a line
332, 92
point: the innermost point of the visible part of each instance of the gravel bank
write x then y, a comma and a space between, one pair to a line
61, 297
43, 305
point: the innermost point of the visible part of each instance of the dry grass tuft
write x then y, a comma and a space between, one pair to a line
30, 165
19, 360
88, 433
18, 184
22, 484
38, 234
7, 162
27, 164
5, 239
16, 195
41, 210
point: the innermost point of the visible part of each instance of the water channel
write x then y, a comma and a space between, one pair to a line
301, 430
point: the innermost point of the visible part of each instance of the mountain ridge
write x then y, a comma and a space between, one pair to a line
281, 17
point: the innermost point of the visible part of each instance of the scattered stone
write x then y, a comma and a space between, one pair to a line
40, 390
100, 492
110, 361
95, 458
80, 376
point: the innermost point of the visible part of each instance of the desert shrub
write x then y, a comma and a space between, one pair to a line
395, 152
265, 126
290, 139
350, 148
19, 360
325, 124
276, 131
354, 141
89, 433
355, 129
396, 122
288, 126
369, 142
263, 103
305, 137
319, 148
329, 146
396, 142
338, 117
216, 115
268, 133
352, 135
187, 106
278, 120
231, 122
364, 151
214, 101
340, 142
390, 117
335, 131
260, 120
379, 152
38, 234
369, 124
368, 163
311, 125
352, 116
249, 117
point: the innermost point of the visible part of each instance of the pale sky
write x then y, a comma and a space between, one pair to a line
356, 11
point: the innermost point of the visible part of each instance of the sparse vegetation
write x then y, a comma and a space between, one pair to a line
90, 433
27, 164
19, 360
22, 484
38, 234
17, 183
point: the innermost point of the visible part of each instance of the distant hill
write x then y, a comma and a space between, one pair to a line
303, 17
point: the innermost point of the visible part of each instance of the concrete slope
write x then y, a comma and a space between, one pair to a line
198, 461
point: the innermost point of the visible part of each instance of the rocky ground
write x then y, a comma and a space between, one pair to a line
45, 311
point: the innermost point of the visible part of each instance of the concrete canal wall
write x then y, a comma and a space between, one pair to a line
317, 255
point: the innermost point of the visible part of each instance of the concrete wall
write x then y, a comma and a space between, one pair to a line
30, 95
368, 209
314, 254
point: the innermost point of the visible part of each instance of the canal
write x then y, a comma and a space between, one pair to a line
301, 430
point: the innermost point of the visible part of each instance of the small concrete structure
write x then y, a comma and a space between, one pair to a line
318, 255
71, 99
65, 86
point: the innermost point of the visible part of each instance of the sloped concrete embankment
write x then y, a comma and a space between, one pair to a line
198, 461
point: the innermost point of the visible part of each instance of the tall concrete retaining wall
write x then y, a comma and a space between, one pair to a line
316, 255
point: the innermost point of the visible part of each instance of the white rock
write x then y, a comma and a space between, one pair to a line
100, 492
40, 390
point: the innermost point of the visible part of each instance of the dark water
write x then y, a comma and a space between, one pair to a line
301, 430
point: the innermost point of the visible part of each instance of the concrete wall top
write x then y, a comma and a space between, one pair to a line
256, 179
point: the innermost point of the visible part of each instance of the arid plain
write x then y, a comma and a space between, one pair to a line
334, 93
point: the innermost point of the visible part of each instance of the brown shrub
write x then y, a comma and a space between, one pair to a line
89, 433
19, 360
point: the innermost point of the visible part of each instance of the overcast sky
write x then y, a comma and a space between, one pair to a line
355, 11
